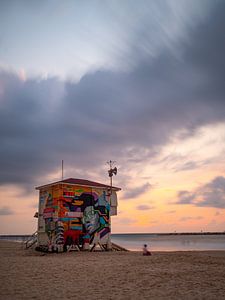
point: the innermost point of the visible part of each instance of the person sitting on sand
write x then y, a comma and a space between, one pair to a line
145, 250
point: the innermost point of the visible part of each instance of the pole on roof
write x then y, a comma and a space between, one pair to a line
112, 171
62, 169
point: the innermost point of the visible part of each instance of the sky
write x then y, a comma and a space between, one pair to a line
137, 82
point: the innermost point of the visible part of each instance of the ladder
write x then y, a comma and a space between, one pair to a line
103, 247
31, 240
116, 247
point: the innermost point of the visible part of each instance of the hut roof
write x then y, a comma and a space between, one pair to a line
80, 182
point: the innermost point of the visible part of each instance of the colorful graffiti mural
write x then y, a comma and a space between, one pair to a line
75, 215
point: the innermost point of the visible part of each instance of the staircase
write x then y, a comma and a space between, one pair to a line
116, 247
31, 241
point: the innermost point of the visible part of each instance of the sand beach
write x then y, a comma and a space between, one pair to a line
27, 274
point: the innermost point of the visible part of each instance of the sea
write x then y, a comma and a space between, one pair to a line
171, 242
158, 242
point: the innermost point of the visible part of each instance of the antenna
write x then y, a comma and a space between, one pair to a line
112, 171
62, 169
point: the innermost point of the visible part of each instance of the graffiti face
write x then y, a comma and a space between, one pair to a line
90, 219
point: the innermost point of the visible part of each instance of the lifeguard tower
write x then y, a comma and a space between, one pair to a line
75, 212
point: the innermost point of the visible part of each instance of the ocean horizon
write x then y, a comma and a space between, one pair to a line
201, 241
196, 241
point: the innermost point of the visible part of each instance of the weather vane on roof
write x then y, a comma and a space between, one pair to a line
112, 171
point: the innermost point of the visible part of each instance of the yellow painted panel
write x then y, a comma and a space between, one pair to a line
81, 189
78, 202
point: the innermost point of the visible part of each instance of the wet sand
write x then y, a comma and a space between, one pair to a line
27, 274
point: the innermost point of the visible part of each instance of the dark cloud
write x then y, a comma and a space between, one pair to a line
144, 207
211, 194
106, 114
6, 211
185, 197
26, 128
206, 54
137, 191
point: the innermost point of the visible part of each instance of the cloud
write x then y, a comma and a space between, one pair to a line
144, 207
208, 38
179, 162
125, 221
6, 211
211, 194
171, 212
116, 37
154, 222
108, 113
184, 219
137, 191
185, 197
190, 165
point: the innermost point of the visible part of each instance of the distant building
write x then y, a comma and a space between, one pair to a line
75, 212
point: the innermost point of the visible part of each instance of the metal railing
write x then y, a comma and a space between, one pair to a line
31, 240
